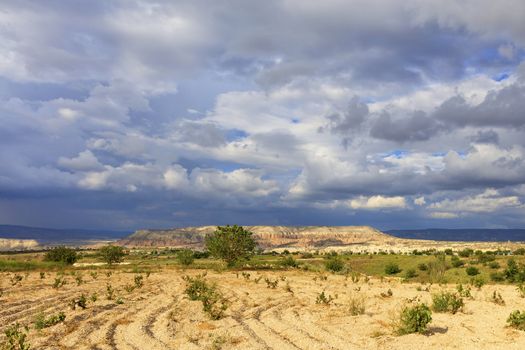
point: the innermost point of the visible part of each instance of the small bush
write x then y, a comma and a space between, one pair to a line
139, 281
392, 269
517, 320
494, 265
472, 271
185, 257
16, 338
79, 279
213, 303
61, 254
519, 251
109, 292
42, 322
16, 279
80, 302
59, 282
497, 298
497, 277
422, 267
289, 261
324, 299
357, 306
447, 302
414, 319
334, 264
464, 291
465, 253
410, 273
521, 290
457, 262
477, 282
271, 284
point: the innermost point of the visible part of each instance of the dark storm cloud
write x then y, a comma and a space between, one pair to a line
486, 136
417, 127
502, 108
349, 120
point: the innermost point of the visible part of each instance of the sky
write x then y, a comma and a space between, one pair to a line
153, 114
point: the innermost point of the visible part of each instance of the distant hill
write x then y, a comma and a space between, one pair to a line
50, 236
466, 235
266, 236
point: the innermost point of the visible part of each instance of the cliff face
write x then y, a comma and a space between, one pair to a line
7, 244
266, 236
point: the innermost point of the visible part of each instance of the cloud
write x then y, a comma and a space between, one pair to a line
85, 161
378, 202
443, 215
488, 201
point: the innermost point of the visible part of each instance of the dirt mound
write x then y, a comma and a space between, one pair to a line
266, 236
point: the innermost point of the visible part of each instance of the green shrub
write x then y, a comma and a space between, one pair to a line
289, 261
494, 265
16, 338
437, 268
477, 282
457, 262
324, 299
109, 292
80, 302
112, 254
410, 273
414, 319
42, 322
422, 267
392, 269
465, 253
472, 271
514, 272
447, 302
519, 251
139, 281
497, 277
231, 243
517, 320
464, 291
185, 257
61, 254
59, 282
334, 264
213, 303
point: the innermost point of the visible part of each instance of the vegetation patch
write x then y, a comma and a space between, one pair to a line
414, 319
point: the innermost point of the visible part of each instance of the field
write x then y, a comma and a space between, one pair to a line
267, 305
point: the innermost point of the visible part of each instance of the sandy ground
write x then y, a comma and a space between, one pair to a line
159, 316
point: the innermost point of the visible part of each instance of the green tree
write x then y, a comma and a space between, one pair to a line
112, 254
61, 254
231, 244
